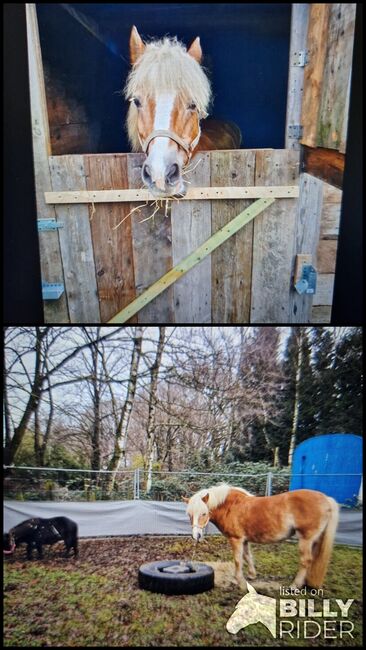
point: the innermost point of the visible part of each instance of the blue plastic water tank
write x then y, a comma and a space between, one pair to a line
330, 463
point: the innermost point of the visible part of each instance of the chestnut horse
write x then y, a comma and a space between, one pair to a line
169, 94
245, 518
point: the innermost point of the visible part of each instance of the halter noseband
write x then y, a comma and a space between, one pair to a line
166, 133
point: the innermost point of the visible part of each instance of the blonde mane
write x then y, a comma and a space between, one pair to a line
165, 67
217, 494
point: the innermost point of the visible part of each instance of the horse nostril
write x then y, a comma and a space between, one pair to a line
172, 175
146, 174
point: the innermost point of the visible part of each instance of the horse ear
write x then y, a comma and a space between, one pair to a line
205, 498
185, 499
195, 50
251, 589
137, 46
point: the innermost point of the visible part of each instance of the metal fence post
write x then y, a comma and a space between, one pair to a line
136, 483
269, 484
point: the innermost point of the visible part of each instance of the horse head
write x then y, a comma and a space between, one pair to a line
253, 608
169, 94
8, 543
199, 514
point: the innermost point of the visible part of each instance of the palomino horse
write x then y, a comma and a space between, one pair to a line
169, 94
245, 518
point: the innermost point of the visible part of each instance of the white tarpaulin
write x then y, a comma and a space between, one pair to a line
104, 518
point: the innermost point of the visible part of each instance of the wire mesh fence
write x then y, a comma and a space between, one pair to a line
62, 484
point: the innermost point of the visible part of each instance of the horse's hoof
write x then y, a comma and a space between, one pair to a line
252, 576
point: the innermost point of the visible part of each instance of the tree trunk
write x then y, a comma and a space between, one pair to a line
122, 428
32, 403
295, 418
154, 370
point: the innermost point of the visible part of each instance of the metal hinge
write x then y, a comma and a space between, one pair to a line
49, 224
300, 58
295, 131
52, 290
307, 282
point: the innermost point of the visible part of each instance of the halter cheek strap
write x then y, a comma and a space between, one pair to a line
166, 133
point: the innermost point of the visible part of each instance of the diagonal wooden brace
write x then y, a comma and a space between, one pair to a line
192, 259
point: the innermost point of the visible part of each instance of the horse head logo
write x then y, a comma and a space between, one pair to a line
253, 608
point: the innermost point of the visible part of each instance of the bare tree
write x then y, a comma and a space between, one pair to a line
121, 432
154, 371
295, 418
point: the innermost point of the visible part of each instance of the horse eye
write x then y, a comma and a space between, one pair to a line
136, 102
192, 107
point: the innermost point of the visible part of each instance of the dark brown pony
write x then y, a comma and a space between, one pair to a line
245, 518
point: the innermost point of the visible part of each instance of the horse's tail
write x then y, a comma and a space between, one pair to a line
323, 548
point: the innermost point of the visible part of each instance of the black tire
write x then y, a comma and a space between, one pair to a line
152, 577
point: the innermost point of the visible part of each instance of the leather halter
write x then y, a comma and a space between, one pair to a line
166, 133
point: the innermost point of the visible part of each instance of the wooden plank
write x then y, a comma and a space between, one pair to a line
324, 289
191, 226
232, 262
326, 256
306, 241
76, 242
321, 314
55, 311
326, 164
332, 194
191, 260
152, 249
300, 260
273, 241
298, 42
332, 120
314, 70
112, 245
329, 225
196, 193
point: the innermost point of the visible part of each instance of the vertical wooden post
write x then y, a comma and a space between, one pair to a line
299, 28
55, 311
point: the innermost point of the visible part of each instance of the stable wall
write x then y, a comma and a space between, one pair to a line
245, 46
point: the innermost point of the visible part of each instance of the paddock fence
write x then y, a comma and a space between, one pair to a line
66, 484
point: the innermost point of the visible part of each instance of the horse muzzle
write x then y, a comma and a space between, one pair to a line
197, 533
12, 549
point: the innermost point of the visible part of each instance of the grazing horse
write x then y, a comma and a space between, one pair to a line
35, 532
169, 94
245, 518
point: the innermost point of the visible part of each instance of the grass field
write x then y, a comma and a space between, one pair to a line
95, 600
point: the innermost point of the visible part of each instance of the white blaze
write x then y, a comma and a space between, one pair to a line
160, 155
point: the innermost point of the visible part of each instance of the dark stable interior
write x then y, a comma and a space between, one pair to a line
245, 47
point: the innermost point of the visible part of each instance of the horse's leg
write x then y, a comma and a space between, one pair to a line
67, 547
39, 549
237, 546
249, 559
305, 546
